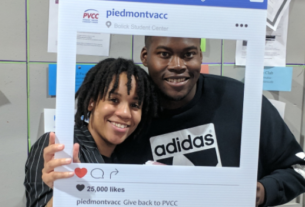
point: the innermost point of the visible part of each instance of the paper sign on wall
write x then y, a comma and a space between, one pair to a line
49, 120
275, 45
280, 106
88, 43
204, 69
276, 9
81, 71
203, 44
277, 79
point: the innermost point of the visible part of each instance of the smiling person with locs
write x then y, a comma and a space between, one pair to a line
193, 101
118, 99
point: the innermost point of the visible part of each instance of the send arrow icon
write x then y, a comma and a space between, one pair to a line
114, 172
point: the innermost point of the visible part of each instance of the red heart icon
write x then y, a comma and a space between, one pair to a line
80, 172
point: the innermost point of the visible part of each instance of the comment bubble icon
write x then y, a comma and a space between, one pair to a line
97, 173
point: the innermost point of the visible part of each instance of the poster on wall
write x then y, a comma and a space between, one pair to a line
158, 185
276, 10
88, 43
49, 120
275, 45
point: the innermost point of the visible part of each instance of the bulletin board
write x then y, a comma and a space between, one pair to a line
24, 79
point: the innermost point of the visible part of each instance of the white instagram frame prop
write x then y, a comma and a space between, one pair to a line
174, 185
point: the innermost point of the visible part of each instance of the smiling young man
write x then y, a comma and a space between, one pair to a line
201, 118
174, 65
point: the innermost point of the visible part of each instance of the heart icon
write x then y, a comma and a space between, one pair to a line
80, 172
80, 187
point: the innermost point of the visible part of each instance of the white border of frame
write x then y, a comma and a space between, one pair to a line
198, 22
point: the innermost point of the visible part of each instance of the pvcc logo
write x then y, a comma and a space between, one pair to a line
90, 16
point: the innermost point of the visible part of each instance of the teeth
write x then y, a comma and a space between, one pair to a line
172, 80
122, 126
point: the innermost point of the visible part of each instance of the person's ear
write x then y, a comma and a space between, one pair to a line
91, 105
143, 56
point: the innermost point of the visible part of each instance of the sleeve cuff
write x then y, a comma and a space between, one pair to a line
271, 191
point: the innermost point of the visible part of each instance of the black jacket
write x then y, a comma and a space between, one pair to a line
38, 193
219, 101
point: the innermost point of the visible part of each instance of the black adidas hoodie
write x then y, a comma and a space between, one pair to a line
218, 105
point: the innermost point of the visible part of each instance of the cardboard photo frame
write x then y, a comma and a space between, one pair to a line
174, 185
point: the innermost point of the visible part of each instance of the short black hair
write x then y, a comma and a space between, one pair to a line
148, 40
96, 85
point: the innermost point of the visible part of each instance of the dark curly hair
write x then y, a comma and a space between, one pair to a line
96, 85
